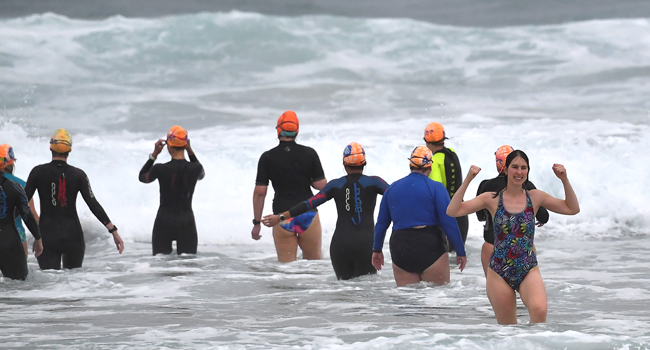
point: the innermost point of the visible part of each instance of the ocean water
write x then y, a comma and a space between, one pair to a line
573, 93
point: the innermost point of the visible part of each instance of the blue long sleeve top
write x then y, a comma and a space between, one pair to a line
416, 200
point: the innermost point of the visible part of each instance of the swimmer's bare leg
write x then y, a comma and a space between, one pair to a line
533, 294
25, 247
502, 297
438, 273
286, 244
486, 253
403, 278
311, 240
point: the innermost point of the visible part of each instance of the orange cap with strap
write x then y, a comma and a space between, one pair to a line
61, 142
421, 157
434, 132
288, 124
177, 136
7, 156
354, 155
501, 154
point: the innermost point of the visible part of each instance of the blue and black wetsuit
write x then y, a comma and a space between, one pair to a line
175, 219
497, 185
19, 223
414, 201
58, 185
13, 262
355, 196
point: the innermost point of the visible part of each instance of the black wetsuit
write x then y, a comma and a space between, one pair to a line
292, 168
355, 196
496, 185
58, 184
175, 219
13, 262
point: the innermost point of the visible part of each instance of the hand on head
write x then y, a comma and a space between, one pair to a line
160, 144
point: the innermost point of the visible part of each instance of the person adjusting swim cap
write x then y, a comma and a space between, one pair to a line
416, 206
445, 169
354, 155
7, 166
58, 184
61, 141
288, 124
177, 181
177, 137
355, 196
501, 154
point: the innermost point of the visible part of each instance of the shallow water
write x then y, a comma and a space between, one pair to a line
574, 93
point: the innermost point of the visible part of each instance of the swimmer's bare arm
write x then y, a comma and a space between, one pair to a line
259, 194
119, 244
272, 220
319, 184
568, 206
458, 208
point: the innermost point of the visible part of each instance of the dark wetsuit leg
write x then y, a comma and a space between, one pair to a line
415, 250
69, 251
351, 253
181, 229
13, 262
463, 225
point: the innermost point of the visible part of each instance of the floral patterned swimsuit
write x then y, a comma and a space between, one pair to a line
513, 256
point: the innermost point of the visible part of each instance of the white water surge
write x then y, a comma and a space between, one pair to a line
574, 94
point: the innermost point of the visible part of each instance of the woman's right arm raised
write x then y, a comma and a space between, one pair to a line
457, 207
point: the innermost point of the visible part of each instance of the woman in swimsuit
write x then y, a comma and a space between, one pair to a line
513, 264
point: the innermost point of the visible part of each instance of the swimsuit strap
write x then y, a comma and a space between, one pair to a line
529, 201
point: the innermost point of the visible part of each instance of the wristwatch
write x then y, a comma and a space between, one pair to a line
282, 218
151, 157
255, 222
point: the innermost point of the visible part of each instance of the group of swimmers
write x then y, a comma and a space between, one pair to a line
426, 208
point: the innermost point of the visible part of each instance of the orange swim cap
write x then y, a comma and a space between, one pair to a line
288, 124
354, 155
434, 132
61, 142
421, 157
177, 136
501, 154
7, 156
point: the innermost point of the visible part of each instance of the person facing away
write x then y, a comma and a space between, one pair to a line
513, 264
13, 261
496, 185
445, 169
355, 196
8, 152
292, 169
416, 205
58, 185
177, 180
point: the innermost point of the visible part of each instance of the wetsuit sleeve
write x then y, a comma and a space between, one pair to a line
321, 197
542, 215
148, 172
383, 221
30, 185
317, 172
262, 178
380, 184
91, 201
481, 215
448, 224
436, 174
193, 159
26, 213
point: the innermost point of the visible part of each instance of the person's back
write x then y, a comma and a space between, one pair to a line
176, 180
291, 168
58, 185
445, 169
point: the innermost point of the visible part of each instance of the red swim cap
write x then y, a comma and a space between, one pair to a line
288, 124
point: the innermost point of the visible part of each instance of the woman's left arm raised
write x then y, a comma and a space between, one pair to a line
568, 206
